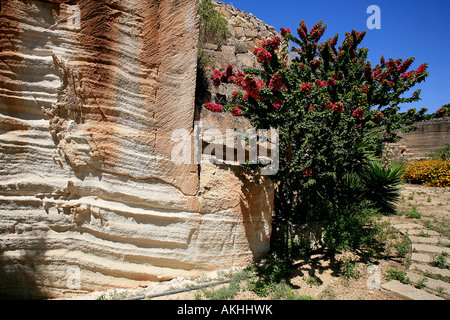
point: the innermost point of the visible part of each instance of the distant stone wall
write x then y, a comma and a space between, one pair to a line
417, 145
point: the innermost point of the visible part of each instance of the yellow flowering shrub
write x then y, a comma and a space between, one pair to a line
432, 172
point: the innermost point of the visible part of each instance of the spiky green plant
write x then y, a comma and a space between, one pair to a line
382, 185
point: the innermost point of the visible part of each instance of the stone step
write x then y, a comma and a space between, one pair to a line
430, 269
408, 226
424, 258
429, 283
409, 292
429, 248
426, 240
416, 232
421, 257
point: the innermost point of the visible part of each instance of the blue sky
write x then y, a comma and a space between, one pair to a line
412, 28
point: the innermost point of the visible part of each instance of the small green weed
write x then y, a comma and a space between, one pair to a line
421, 283
282, 291
349, 270
403, 246
440, 261
423, 234
413, 213
313, 281
395, 274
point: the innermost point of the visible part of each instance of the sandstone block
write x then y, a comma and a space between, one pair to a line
252, 33
240, 32
246, 59
408, 291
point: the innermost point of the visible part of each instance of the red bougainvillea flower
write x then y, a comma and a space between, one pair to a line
332, 82
379, 75
407, 75
315, 63
306, 87
338, 107
368, 74
236, 111
317, 31
213, 107
276, 83
273, 44
320, 83
359, 113
232, 79
364, 89
239, 81
358, 36
388, 83
216, 78
334, 40
229, 71
422, 69
378, 116
277, 103
311, 108
262, 55
405, 65
229, 76
392, 65
442, 112
329, 105
252, 87
302, 30
307, 171
285, 32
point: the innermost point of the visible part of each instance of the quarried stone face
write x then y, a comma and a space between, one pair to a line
90, 94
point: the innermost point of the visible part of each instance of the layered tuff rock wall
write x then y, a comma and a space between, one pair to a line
90, 94
419, 144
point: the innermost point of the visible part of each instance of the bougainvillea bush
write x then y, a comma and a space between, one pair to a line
330, 105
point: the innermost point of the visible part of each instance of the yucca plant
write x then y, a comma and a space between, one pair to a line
382, 185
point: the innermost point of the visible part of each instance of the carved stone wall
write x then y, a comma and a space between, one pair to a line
90, 94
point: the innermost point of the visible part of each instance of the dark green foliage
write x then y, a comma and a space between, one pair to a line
382, 185
350, 227
213, 27
272, 271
